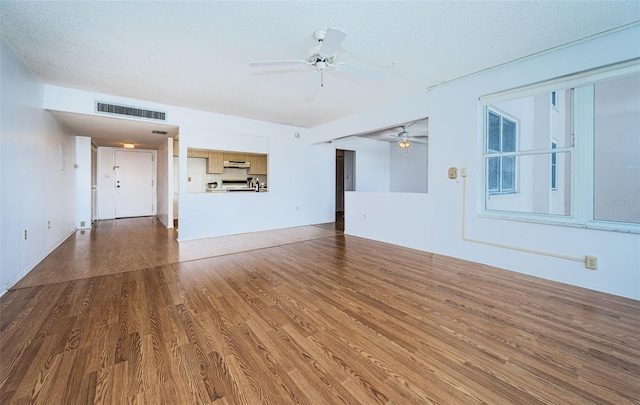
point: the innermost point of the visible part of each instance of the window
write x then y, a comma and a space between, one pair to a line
616, 167
570, 158
554, 166
554, 99
501, 138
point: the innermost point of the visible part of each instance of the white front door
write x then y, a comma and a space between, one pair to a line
134, 182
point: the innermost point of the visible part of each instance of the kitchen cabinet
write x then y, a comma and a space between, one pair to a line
197, 153
215, 162
258, 164
236, 157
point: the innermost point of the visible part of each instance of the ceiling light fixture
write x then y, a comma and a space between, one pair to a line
128, 145
404, 144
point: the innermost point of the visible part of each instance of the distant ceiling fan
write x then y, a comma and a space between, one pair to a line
321, 57
405, 138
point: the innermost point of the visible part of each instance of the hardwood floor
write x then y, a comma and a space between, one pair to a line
138, 243
323, 319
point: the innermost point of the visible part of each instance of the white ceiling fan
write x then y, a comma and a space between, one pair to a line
405, 138
322, 58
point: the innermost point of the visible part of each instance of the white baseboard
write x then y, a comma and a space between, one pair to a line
26, 271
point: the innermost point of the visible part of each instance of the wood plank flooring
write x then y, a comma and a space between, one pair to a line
139, 243
327, 320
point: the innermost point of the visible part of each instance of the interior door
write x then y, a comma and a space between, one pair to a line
134, 183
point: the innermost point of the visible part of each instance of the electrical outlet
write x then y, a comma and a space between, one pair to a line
463, 171
591, 262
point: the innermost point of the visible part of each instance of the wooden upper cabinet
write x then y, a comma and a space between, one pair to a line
216, 159
215, 162
258, 164
197, 153
236, 156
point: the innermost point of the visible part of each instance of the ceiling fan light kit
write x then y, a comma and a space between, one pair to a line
406, 138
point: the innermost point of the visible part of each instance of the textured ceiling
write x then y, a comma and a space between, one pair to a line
197, 54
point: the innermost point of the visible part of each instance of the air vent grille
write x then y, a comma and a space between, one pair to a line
130, 111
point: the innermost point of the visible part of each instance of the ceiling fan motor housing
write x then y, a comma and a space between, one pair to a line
319, 35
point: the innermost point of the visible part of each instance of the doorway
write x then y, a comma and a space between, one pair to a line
345, 177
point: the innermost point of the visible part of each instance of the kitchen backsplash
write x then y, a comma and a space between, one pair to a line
231, 174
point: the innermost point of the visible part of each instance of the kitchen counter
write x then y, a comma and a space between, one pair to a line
230, 190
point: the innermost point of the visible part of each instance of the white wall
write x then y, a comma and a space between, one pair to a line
176, 186
36, 175
301, 183
456, 141
383, 217
372, 166
164, 187
409, 168
82, 169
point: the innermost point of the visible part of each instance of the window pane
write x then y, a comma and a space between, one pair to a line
534, 194
494, 174
617, 150
531, 122
508, 174
494, 133
531, 183
508, 135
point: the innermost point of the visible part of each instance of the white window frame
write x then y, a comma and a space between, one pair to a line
554, 100
554, 165
581, 152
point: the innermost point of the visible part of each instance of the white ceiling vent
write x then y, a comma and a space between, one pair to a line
115, 109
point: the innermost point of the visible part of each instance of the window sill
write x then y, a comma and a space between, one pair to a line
572, 222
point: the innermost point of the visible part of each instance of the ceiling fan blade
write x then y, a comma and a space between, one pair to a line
333, 37
358, 71
419, 140
278, 63
313, 85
